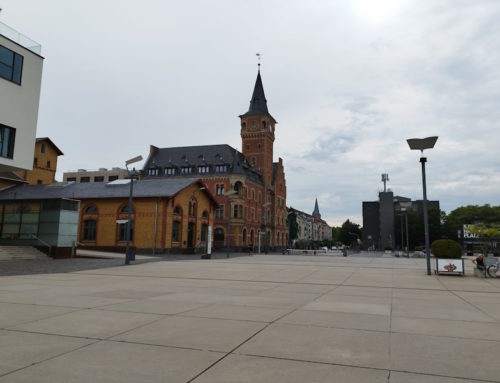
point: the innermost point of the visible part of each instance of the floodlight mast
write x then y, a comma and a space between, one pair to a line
422, 144
385, 178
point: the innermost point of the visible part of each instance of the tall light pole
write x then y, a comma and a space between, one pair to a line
264, 211
229, 212
404, 208
422, 144
128, 256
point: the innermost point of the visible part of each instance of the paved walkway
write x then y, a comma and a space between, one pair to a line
261, 319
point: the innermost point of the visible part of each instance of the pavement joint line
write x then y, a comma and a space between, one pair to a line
46, 360
251, 337
364, 367
472, 304
468, 303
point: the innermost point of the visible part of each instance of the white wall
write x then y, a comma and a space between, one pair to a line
19, 107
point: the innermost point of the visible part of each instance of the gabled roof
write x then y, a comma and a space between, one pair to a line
204, 155
59, 152
72, 190
258, 103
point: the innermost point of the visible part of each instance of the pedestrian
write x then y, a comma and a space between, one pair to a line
250, 249
479, 262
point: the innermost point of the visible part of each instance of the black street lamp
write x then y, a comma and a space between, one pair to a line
422, 144
228, 195
128, 254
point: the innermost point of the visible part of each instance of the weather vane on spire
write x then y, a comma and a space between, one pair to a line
258, 58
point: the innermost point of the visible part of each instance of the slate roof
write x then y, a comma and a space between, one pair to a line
76, 190
205, 155
258, 103
316, 213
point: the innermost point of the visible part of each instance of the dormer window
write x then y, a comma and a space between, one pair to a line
221, 168
153, 171
186, 170
203, 169
169, 171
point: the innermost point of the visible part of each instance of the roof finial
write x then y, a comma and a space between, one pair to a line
258, 59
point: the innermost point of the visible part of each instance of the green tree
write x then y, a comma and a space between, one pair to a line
347, 230
293, 226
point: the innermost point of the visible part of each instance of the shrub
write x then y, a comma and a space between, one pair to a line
388, 248
446, 248
419, 248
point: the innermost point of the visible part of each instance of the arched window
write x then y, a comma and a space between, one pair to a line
264, 125
177, 210
204, 214
252, 239
92, 209
124, 210
192, 208
89, 230
176, 231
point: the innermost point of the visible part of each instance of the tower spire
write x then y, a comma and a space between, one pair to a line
316, 213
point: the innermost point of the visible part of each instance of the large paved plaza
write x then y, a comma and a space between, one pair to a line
266, 318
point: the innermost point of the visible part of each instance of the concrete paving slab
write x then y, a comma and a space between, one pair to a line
149, 306
19, 349
406, 377
122, 363
89, 323
16, 313
338, 320
214, 305
244, 313
244, 369
413, 308
438, 327
197, 333
445, 356
316, 344
362, 291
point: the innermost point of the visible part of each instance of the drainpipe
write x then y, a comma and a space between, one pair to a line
156, 227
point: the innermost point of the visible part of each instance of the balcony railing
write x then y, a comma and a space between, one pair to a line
19, 38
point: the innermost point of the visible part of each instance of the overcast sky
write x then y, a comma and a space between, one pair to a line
347, 81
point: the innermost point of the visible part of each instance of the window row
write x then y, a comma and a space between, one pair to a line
172, 171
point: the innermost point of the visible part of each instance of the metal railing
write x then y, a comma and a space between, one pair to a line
43, 243
19, 38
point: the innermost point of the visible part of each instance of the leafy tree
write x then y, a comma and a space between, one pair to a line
346, 229
293, 226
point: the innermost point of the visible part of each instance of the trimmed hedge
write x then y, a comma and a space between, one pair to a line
446, 248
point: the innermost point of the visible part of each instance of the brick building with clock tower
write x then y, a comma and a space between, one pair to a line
249, 186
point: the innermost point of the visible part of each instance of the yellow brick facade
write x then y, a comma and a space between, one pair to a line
153, 220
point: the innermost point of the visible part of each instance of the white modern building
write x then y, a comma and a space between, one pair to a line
20, 81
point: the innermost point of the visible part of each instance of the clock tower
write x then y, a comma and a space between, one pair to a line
257, 134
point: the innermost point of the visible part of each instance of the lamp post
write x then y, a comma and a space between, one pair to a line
128, 256
264, 211
229, 194
422, 144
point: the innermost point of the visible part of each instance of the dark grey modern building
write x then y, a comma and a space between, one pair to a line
380, 218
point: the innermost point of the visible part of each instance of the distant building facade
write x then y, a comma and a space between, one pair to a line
100, 175
310, 227
168, 215
20, 82
380, 218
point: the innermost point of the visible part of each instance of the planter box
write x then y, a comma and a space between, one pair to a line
450, 266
